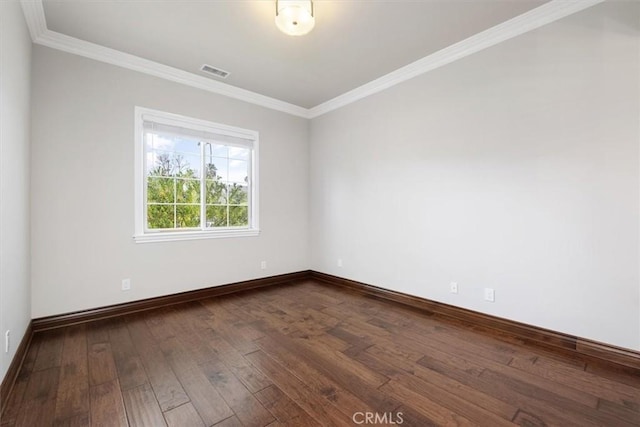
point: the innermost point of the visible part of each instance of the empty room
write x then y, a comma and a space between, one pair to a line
320, 213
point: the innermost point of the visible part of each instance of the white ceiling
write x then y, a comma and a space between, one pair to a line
353, 43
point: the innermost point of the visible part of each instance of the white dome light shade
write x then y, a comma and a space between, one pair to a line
294, 17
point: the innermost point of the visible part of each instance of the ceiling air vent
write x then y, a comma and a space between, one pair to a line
217, 72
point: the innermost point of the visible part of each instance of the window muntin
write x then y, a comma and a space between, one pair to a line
197, 178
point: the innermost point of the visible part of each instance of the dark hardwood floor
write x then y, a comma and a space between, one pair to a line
307, 355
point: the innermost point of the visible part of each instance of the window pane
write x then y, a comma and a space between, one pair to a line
239, 153
211, 170
160, 216
187, 216
216, 216
217, 168
159, 163
238, 216
218, 151
238, 171
186, 165
161, 142
238, 194
148, 141
187, 191
160, 190
195, 176
186, 146
216, 192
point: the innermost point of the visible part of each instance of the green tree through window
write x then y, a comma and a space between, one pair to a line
175, 185
195, 179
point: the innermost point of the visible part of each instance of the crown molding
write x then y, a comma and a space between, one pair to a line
115, 57
34, 14
535, 18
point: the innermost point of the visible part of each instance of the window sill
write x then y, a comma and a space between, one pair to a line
194, 235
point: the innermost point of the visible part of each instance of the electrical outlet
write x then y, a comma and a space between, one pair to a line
339, 262
263, 265
7, 342
489, 295
453, 287
126, 284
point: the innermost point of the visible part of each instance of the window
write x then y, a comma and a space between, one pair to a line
194, 179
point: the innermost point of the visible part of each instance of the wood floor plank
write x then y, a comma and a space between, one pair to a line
318, 407
231, 327
79, 420
616, 373
191, 330
254, 310
573, 394
440, 415
182, 416
308, 354
131, 373
50, 349
305, 370
581, 380
205, 398
285, 410
445, 391
304, 298
455, 361
230, 422
331, 374
367, 359
43, 385
15, 399
415, 323
307, 319
209, 345
358, 326
412, 418
98, 331
550, 414
548, 395
460, 347
253, 379
73, 387
247, 408
157, 322
10, 412
30, 358
36, 413
340, 361
621, 412
142, 407
167, 388
330, 296
458, 403
350, 339
39, 404
107, 405
102, 367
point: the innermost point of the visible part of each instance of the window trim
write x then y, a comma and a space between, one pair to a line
141, 235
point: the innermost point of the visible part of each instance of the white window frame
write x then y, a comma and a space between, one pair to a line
142, 234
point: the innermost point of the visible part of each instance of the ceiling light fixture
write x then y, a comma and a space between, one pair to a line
295, 17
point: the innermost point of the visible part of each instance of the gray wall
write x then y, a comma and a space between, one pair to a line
516, 168
15, 76
83, 200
